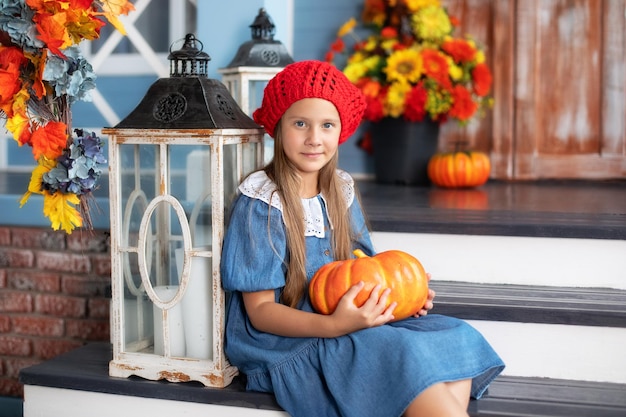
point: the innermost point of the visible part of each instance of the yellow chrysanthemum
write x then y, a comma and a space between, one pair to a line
356, 58
396, 97
355, 71
456, 72
431, 23
404, 65
438, 102
415, 5
389, 44
480, 56
372, 62
371, 44
346, 28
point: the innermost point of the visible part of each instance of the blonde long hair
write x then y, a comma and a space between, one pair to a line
282, 171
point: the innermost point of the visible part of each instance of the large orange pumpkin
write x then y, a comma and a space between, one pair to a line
459, 169
393, 269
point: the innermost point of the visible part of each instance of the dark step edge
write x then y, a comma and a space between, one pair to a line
531, 304
459, 222
86, 369
536, 397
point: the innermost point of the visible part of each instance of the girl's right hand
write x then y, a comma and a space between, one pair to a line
349, 318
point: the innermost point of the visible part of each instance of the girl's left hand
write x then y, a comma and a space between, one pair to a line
429, 301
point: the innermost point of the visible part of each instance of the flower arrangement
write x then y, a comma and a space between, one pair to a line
410, 65
41, 74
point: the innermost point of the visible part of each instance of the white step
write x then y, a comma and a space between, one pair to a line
560, 262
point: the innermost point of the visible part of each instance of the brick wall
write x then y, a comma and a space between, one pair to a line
54, 296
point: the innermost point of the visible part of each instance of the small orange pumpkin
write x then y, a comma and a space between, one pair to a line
459, 169
393, 269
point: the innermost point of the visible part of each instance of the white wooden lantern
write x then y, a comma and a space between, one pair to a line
175, 162
255, 63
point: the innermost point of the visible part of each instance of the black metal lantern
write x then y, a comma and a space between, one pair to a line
255, 63
175, 162
262, 50
188, 99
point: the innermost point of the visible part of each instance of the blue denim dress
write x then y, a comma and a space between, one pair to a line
372, 372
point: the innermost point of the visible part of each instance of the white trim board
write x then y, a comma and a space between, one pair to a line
561, 262
40, 401
558, 351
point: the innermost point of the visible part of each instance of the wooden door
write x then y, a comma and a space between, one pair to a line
569, 89
559, 87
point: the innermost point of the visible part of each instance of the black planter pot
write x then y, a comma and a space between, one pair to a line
402, 150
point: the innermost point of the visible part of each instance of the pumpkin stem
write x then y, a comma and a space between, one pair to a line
359, 253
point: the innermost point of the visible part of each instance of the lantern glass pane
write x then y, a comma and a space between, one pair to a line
255, 93
137, 187
233, 172
235, 89
268, 150
137, 181
156, 218
250, 156
138, 331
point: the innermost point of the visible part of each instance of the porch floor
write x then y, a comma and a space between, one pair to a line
567, 209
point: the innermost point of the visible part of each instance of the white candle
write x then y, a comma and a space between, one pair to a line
175, 330
197, 306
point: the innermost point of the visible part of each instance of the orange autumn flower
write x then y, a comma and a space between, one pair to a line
463, 107
436, 67
460, 50
389, 32
369, 87
481, 75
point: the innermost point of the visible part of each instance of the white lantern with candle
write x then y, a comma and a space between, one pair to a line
175, 162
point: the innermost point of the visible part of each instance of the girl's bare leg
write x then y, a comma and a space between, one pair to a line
436, 401
461, 391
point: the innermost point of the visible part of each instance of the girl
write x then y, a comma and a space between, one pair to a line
289, 219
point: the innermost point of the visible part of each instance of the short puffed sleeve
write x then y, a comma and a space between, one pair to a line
255, 250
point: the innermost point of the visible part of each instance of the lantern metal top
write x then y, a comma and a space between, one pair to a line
188, 99
262, 50
189, 61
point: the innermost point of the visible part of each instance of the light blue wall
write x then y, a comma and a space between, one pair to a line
223, 26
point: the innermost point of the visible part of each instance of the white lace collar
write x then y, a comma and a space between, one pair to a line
259, 186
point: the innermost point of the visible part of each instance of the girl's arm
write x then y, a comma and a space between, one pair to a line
268, 316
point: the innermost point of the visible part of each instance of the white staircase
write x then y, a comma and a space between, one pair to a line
592, 270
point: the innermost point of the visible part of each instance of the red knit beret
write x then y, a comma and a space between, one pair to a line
311, 79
